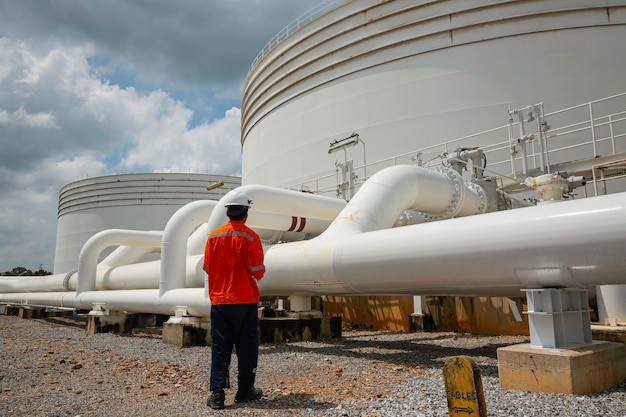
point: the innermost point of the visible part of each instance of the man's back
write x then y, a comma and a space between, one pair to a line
234, 262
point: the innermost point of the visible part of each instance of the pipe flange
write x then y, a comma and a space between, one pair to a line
453, 206
482, 196
66, 279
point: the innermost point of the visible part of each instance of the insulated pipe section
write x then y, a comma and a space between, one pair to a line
88, 258
174, 245
281, 202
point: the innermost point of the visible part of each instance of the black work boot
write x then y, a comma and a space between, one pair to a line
253, 394
216, 400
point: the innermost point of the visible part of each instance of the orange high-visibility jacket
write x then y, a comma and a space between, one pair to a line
233, 259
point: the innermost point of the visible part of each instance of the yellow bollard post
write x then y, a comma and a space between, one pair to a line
464, 388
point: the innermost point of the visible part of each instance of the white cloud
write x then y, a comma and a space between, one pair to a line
21, 117
96, 87
210, 147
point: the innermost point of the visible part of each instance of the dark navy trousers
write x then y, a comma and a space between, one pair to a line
234, 325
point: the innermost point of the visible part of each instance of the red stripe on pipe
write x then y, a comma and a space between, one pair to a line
302, 224
294, 222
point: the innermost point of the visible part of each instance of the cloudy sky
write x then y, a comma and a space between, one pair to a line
93, 87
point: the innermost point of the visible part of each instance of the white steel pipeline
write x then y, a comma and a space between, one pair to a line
391, 191
123, 255
576, 243
118, 272
178, 229
15, 284
278, 210
571, 244
193, 300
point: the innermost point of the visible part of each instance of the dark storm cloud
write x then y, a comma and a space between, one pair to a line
186, 43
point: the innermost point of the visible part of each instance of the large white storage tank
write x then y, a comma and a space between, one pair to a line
127, 201
407, 74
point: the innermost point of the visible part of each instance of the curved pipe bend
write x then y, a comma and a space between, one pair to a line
387, 194
279, 201
88, 258
174, 243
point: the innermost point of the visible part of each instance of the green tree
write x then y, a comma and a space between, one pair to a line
20, 270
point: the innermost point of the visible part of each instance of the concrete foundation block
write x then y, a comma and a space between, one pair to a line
115, 322
187, 331
579, 370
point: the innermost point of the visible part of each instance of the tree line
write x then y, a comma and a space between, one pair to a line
20, 270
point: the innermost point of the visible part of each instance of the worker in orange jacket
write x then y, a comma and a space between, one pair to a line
233, 260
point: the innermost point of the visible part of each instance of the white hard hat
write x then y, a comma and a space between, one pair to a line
237, 199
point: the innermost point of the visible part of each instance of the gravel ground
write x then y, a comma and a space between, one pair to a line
53, 369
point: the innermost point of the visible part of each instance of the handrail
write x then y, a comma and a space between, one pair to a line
592, 131
302, 20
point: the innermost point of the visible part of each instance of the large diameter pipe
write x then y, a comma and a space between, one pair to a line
88, 257
571, 244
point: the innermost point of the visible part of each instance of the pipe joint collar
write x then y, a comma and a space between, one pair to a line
483, 203
66, 279
454, 204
